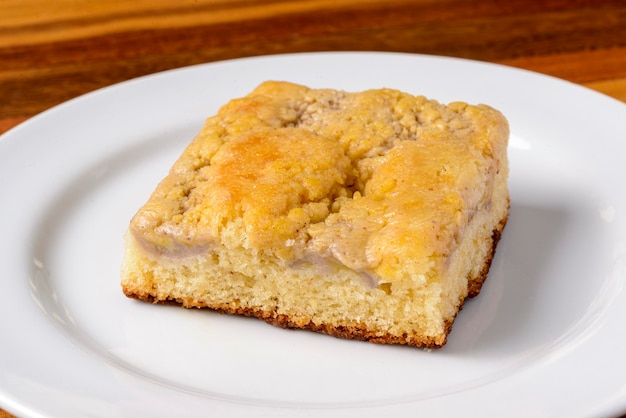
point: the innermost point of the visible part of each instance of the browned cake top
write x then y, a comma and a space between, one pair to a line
378, 181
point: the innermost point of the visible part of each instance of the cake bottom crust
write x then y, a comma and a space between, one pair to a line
356, 331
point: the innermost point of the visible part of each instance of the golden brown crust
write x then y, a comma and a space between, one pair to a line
329, 167
352, 332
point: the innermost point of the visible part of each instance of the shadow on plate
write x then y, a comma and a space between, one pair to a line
519, 310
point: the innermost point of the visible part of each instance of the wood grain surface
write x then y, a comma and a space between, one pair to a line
54, 50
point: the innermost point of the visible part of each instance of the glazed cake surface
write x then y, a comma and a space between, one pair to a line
370, 215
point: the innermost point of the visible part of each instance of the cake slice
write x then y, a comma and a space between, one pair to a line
369, 215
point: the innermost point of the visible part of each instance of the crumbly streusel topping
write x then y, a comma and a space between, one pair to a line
376, 181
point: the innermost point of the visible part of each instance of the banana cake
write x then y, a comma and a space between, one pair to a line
367, 215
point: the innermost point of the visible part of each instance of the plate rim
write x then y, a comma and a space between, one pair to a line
15, 131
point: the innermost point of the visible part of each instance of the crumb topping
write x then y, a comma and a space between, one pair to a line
378, 181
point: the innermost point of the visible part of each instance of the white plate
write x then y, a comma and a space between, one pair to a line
545, 338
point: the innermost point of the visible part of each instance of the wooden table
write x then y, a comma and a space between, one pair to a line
52, 51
